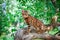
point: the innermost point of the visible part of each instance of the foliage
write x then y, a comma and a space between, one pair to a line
11, 14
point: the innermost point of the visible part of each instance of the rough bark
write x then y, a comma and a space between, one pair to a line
23, 35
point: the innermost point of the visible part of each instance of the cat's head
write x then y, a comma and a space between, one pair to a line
25, 14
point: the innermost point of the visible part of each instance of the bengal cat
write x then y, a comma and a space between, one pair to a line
37, 24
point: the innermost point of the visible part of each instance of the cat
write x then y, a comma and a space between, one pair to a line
37, 24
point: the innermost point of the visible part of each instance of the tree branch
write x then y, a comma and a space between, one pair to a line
22, 35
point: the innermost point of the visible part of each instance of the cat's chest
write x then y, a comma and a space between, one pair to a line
31, 21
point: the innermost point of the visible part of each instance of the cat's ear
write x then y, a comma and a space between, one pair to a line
24, 11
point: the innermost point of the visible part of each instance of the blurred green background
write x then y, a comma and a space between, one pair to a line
11, 15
